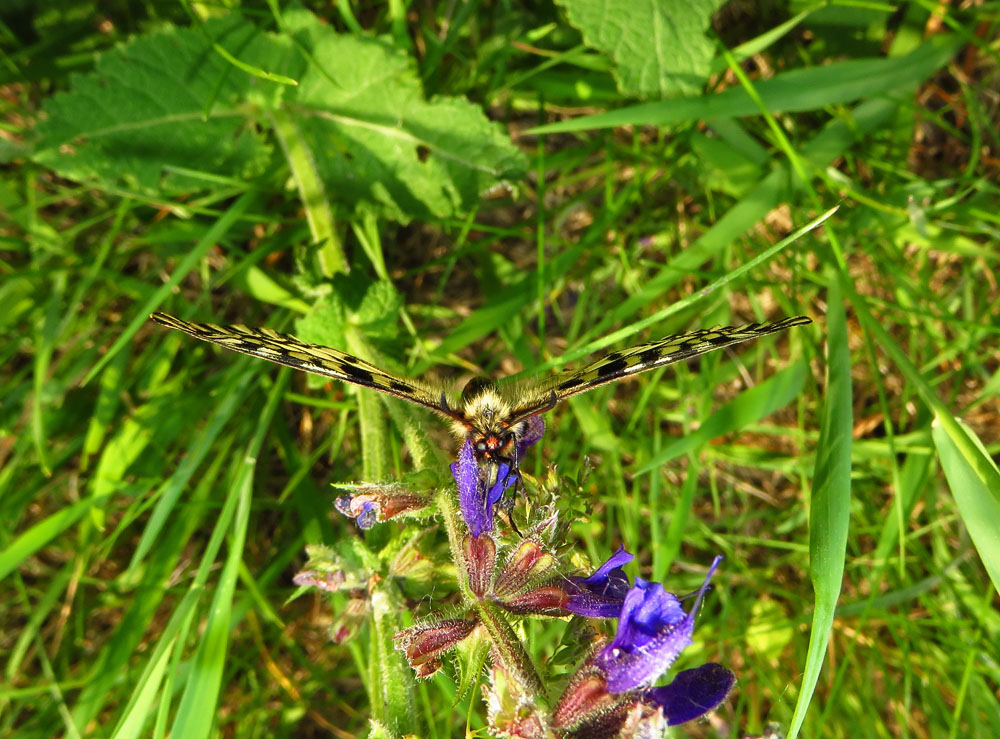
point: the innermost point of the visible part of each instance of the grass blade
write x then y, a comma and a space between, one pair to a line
197, 710
746, 408
979, 507
829, 514
212, 236
804, 89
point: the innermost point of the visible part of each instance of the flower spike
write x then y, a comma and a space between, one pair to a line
474, 499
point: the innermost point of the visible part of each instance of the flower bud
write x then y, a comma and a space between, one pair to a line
587, 708
371, 503
411, 563
481, 557
331, 571
349, 621
547, 600
527, 565
423, 645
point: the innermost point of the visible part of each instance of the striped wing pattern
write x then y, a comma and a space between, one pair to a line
321, 360
664, 351
644, 357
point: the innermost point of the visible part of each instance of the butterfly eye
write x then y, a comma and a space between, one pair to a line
480, 447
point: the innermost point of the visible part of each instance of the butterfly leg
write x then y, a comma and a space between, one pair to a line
508, 500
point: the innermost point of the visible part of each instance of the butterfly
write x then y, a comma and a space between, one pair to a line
494, 417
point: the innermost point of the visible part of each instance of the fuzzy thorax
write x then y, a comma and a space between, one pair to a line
486, 423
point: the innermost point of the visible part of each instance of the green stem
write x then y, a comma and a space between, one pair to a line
506, 646
392, 686
507, 649
319, 214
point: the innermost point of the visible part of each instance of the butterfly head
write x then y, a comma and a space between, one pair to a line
486, 421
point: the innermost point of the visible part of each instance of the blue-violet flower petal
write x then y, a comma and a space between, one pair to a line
602, 594
652, 631
534, 429
474, 500
693, 693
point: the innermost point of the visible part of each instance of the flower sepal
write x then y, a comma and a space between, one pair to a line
527, 565
587, 708
546, 600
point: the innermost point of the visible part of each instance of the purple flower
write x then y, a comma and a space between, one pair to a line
371, 503
475, 501
365, 512
534, 429
610, 694
602, 594
693, 693
652, 631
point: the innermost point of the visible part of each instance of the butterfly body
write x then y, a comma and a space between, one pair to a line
499, 420
484, 414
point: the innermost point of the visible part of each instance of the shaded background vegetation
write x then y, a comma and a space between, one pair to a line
167, 176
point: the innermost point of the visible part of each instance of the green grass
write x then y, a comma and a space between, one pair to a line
158, 495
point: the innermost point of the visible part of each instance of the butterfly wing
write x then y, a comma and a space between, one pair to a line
644, 357
321, 360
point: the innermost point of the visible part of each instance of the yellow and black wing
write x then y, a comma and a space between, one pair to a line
321, 360
644, 357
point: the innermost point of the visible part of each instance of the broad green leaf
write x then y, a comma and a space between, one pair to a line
169, 113
379, 143
324, 324
162, 102
659, 49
